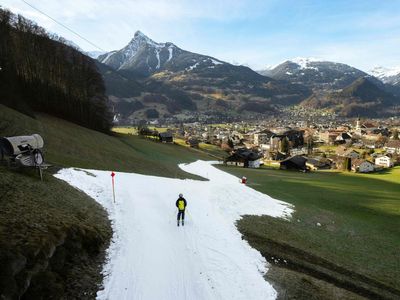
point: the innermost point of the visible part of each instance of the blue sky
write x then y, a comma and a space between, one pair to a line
254, 33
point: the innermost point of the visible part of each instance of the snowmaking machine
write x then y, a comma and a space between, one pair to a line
24, 151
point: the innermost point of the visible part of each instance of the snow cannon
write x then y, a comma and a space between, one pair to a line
23, 150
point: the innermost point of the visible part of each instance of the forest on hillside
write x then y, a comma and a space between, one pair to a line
40, 72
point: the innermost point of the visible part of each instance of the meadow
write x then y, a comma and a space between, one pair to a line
346, 225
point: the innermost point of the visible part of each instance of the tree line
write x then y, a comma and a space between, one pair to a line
40, 72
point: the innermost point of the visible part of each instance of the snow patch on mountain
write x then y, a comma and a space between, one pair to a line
216, 62
302, 62
171, 52
157, 51
193, 67
384, 73
105, 59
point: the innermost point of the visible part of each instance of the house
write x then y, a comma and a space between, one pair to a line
344, 152
298, 151
262, 137
193, 142
362, 166
329, 136
317, 163
343, 138
296, 162
166, 137
244, 158
393, 147
384, 161
294, 137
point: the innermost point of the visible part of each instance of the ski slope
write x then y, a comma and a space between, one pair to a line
151, 258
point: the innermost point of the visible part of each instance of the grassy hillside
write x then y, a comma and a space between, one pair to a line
52, 236
67, 144
52, 239
357, 241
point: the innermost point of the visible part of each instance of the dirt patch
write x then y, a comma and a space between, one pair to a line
312, 276
295, 285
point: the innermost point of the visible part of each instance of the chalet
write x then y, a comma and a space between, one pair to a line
393, 147
343, 138
317, 163
329, 136
362, 166
166, 137
262, 137
298, 151
193, 142
296, 162
384, 161
295, 138
344, 152
244, 158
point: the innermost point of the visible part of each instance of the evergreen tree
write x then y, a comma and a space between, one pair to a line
41, 72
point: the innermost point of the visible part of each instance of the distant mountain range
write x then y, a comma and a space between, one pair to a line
169, 81
316, 74
361, 98
146, 79
386, 75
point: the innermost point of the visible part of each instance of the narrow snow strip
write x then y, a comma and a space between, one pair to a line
108, 56
151, 258
170, 49
157, 51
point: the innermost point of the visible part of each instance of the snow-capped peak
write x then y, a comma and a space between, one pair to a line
383, 72
304, 62
140, 38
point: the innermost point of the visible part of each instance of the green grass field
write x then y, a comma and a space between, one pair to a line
214, 151
359, 216
70, 145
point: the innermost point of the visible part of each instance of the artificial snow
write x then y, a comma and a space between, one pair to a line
151, 258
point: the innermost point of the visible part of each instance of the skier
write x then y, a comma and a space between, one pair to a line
181, 205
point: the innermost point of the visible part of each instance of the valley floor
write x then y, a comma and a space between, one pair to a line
151, 258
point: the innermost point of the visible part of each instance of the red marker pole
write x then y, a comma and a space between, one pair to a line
112, 176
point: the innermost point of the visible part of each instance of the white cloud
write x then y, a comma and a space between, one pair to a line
111, 24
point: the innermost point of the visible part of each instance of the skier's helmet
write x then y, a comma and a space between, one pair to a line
180, 195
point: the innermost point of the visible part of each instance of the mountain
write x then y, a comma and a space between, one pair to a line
390, 77
175, 81
387, 75
361, 98
144, 57
316, 74
95, 54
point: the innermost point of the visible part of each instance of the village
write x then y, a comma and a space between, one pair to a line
356, 145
